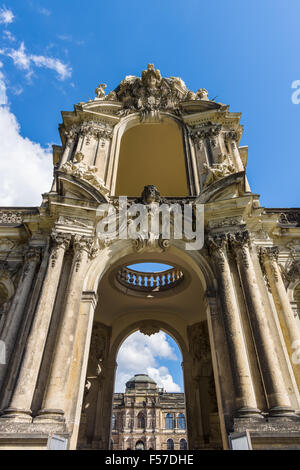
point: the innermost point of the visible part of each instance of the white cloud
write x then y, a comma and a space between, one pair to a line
25, 61
25, 167
163, 378
6, 16
140, 354
8, 35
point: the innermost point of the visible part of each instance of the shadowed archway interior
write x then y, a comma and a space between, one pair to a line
150, 154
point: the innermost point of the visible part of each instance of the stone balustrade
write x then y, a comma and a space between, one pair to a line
149, 282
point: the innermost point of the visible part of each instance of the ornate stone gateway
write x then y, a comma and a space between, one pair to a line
68, 299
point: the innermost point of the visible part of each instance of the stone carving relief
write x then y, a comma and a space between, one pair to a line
99, 347
226, 222
149, 329
152, 93
199, 341
10, 217
97, 130
217, 171
79, 169
207, 130
289, 219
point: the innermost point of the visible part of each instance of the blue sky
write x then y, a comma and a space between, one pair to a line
54, 53
244, 52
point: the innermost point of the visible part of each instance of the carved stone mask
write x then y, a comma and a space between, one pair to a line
150, 194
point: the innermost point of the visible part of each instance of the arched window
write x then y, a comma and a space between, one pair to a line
139, 445
169, 421
181, 421
141, 421
114, 422
183, 444
170, 444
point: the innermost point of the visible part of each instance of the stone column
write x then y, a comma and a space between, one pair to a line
232, 138
54, 403
244, 393
279, 403
15, 314
19, 409
268, 257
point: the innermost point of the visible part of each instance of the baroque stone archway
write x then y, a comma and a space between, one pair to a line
230, 305
126, 315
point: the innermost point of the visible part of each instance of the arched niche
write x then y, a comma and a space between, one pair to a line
152, 153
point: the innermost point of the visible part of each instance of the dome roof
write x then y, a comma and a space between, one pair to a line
141, 378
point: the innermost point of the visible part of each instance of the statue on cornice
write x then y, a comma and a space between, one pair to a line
99, 92
217, 171
81, 170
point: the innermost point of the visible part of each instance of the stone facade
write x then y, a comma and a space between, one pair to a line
148, 418
232, 306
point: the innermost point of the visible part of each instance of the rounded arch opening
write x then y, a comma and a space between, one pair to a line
148, 384
148, 153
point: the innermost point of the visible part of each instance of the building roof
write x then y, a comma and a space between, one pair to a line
141, 378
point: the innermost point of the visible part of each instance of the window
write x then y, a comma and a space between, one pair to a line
139, 445
141, 421
170, 444
181, 421
169, 421
183, 444
114, 422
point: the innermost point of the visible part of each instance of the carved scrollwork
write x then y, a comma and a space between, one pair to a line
152, 93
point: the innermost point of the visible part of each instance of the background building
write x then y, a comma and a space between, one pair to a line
146, 417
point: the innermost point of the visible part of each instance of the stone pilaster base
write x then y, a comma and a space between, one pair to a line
273, 432
28, 436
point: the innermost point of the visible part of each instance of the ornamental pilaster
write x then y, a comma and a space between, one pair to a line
278, 399
54, 404
291, 333
16, 311
245, 400
19, 408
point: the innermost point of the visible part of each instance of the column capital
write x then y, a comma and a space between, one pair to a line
71, 134
231, 136
218, 246
59, 240
268, 253
239, 243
